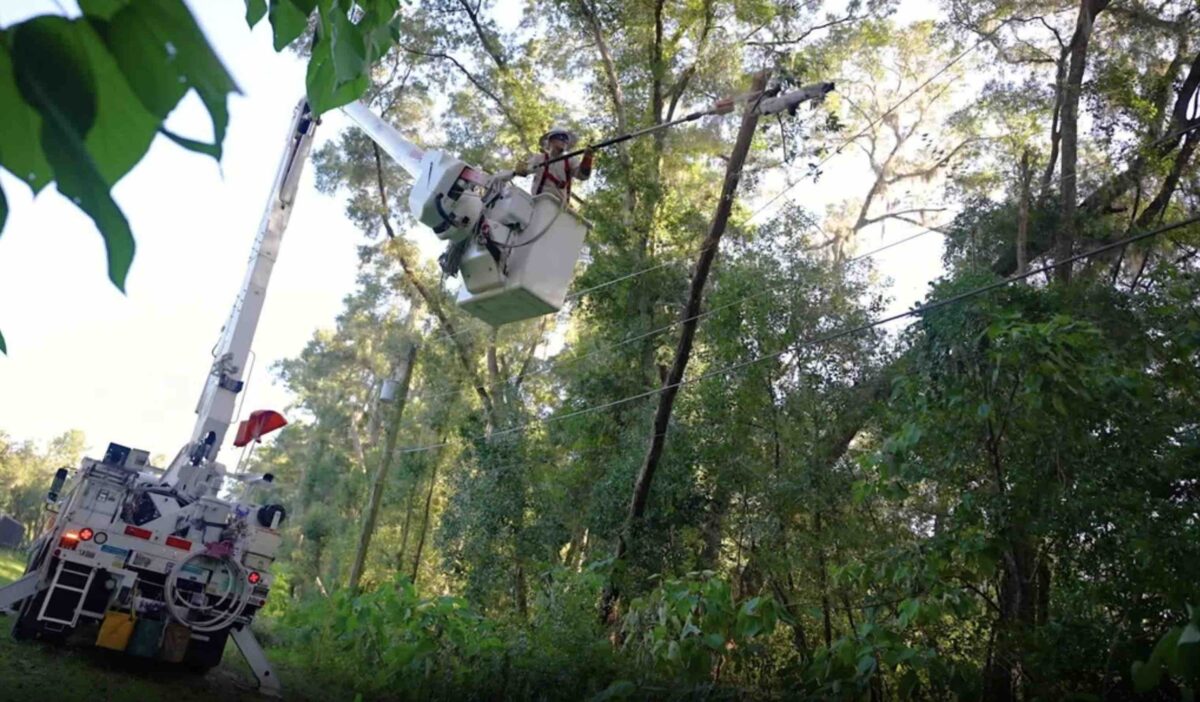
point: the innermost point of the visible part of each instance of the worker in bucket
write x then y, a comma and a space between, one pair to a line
555, 177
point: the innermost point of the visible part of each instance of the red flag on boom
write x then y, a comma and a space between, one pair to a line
257, 425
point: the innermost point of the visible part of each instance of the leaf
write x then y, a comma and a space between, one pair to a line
3, 210
1145, 676
255, 11
102, 9
347, 50
53, 75
287, 22
618, 689
20, 148
163, 34
323, 92
1190, 635
714, 641
192, 144
123, 130
3, 346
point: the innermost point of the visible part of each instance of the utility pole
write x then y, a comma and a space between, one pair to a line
396, 392
689, 318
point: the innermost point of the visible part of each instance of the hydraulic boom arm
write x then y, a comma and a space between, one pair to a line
225, 380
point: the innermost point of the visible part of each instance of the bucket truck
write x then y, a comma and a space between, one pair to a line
172, 563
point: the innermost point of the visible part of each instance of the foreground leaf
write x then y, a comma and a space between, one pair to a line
162, 52
287, 22
324, 92
20, 149
53, 74
255, 11
347, 47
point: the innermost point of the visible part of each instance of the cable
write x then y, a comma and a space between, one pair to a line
181, 609
825, 338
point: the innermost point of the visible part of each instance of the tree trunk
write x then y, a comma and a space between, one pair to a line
380, 481
1018, 606
689, 320
1088, 9
823, 583
1023, 218
1060, 77
425, 523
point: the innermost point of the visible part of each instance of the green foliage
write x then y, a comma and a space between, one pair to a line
26, 471
84, 97
88, 95
395, 644
1177, 654
693, 630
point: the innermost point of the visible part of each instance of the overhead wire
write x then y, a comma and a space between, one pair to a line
833, 152
824, 338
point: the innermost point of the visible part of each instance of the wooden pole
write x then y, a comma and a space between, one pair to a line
689, 319
408, 360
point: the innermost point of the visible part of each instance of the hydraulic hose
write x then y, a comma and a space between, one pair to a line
185, 612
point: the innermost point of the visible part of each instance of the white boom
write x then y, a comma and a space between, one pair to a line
225, 380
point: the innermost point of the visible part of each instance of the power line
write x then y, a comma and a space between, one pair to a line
659, 266
826, 338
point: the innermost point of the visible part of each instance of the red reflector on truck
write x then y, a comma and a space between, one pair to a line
179, 543
138, 532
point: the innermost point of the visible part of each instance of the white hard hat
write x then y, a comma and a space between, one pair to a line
558, 131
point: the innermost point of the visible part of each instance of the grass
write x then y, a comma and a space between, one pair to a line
33, 670
12, 565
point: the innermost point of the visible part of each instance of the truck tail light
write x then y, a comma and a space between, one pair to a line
176, 542
254, 577
69, 539
86, 534
138, 532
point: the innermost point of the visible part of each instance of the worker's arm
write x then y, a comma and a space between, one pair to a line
584, 169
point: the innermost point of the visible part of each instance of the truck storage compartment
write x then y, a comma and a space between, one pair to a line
175, 642
147, 635
115, 630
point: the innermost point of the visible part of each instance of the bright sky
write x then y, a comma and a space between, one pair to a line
129, 368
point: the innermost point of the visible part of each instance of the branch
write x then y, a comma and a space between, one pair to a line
516, 123
680, 86
610, 70
387, 220
807, 32
898, 214
936, 166
484, 39
532, 350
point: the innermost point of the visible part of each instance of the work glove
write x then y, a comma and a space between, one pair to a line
586, 163
504, 175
